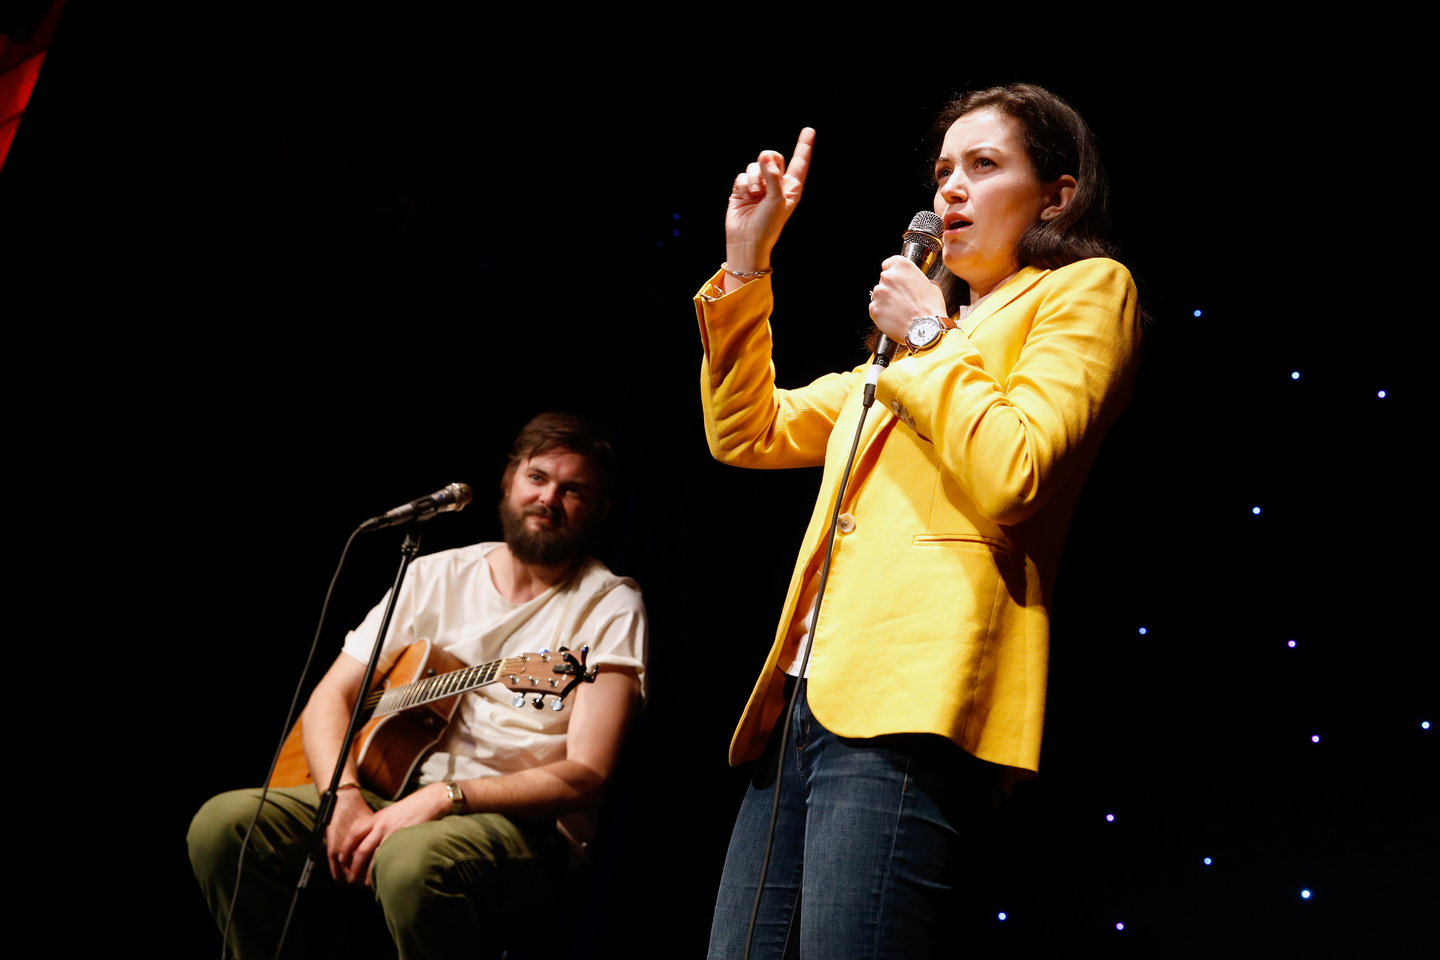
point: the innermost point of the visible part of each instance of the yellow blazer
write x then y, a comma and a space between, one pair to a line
936, 615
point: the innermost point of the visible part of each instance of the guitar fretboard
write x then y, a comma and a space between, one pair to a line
382, 702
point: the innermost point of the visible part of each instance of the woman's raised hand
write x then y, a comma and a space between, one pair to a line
761, 201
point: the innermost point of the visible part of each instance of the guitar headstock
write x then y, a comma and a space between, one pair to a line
545, 674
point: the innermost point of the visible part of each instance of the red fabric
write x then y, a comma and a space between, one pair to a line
20, 64
16, 85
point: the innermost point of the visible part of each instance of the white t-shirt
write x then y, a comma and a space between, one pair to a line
450, 598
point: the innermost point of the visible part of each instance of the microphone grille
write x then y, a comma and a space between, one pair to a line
460, 495
927, 223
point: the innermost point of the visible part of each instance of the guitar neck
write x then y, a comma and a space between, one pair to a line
386, 701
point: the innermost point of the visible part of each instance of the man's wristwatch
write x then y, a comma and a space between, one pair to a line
925, 332
456, 795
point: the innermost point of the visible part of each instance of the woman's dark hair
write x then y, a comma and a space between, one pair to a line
1059, 142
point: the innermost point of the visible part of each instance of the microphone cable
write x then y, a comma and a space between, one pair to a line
868, 399
922, 248
284, 734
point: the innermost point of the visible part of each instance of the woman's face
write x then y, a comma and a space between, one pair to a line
987, 194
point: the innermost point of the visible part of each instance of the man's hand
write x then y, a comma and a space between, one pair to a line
365, 836
602, 711
349, 823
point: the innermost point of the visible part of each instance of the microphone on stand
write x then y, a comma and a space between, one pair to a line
444, 500
921, 246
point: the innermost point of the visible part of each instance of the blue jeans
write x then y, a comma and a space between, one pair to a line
867, 841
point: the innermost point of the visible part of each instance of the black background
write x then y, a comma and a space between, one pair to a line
269, 272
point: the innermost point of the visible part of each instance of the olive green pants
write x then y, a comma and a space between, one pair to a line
443, 885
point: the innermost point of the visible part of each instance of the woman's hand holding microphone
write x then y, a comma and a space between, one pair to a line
903, 294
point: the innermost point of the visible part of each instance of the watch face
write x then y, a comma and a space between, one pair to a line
924, 331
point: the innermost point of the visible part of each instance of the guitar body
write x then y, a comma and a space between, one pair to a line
387, 748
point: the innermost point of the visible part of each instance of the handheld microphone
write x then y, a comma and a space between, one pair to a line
921, 246
444, 500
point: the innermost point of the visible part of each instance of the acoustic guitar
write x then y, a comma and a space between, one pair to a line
414, 702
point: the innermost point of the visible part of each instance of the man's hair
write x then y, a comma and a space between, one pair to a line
563, 431
1059, 142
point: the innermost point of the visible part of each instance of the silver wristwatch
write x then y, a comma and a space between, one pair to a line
456, 795
925, 332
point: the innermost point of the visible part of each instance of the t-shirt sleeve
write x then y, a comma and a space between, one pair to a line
616, 630
361, 641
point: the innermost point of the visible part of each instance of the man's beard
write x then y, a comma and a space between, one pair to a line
546, 547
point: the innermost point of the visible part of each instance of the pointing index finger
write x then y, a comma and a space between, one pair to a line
800, 162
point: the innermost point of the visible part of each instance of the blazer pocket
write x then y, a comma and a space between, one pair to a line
941, 539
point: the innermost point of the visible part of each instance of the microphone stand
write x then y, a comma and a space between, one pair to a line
885, 350
408, 549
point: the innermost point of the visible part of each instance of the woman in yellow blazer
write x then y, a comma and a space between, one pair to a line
923, 686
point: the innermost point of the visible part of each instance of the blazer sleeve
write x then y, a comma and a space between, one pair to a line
748, 421
1011, 443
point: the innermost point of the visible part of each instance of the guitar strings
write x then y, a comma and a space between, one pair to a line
395, 699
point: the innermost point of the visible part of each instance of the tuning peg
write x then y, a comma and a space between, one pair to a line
557, 705
539, 701
518, 700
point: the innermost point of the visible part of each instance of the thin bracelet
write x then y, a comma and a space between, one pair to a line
343, 786
743, 274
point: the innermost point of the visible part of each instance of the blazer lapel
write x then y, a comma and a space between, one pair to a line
1013, 289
